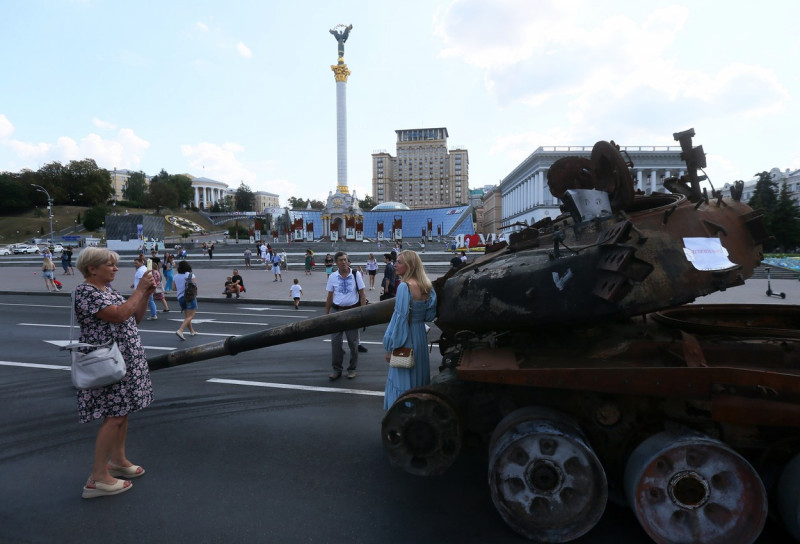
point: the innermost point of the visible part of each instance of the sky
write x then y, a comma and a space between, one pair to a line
243, 92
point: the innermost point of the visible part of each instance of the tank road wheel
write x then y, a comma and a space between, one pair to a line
789, 498
422, 432
688, 487
545, 480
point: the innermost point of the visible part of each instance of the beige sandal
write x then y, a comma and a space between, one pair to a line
102, 490
133, 471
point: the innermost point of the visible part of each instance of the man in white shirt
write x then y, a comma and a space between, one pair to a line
141, 268
276, 266
345, 289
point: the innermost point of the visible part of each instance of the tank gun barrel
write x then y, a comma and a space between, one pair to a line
363, 316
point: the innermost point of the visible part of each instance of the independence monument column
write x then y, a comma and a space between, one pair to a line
341, 72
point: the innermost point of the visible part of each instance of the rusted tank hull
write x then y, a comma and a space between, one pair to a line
734, 399
619, 267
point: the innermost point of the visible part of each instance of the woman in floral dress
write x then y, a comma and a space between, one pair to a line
103, 314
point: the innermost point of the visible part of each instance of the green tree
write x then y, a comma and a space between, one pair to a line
245, 199
53, 177
244, 233
367, 203
183, 186
16, 195
135, 189
317, 205
765, 196
226, 204
85, 184
162, 193
297, 203
786, 221
94, 217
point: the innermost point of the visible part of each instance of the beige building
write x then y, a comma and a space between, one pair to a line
119, 180
424, 174
492, 211
264, 200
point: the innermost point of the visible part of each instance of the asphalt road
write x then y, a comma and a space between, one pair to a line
260, 447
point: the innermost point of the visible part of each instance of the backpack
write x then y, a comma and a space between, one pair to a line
190, 291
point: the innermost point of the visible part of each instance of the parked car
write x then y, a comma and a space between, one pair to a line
5, 250
57, 248
25, 248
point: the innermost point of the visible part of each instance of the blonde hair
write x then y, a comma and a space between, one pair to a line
93, 257
416, 271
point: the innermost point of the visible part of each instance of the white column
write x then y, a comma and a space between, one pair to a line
341, 132
652, 181
196, 197
639, 180
539, 198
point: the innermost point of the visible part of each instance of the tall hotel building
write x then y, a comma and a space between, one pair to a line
425, 174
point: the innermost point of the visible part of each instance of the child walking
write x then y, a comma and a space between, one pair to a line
295, 291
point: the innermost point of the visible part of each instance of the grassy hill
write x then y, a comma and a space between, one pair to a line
36, 224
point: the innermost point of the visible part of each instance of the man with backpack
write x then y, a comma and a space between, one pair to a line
345, 289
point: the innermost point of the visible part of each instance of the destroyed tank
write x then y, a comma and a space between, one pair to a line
571, 358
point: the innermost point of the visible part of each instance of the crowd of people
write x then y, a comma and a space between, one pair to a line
103, 314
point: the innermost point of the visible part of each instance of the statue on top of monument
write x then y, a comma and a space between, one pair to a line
341, 36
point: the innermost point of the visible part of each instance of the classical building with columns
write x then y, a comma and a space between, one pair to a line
526, 198
207, 192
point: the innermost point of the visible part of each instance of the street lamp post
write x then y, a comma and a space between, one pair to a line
40, 189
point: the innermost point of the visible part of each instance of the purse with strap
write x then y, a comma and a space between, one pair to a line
101, 367
403, 357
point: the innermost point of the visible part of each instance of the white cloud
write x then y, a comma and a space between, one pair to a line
202, 26
519, 146
6, 128
103, 124
218, 162
244, 51
125, 150
627, 74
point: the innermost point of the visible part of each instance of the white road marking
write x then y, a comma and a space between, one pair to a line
140, 330
298, 387
201, 321
291, 315
228, 382
62, 343
33, 305
34, 365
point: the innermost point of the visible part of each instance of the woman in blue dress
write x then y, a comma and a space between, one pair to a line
414, 295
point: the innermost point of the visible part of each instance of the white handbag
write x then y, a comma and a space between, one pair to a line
101, 367
402, 358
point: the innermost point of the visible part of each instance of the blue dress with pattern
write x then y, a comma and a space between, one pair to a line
400, 334
135, 390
